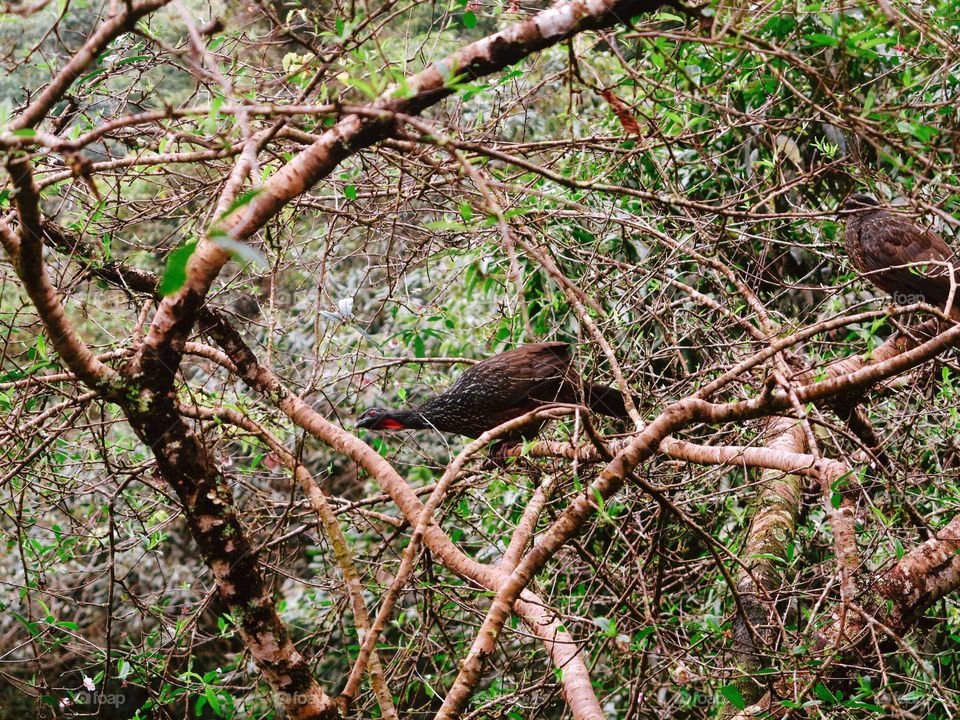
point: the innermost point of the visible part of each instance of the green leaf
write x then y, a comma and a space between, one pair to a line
821, 691
25, 132
211, 695
31, 627
469, 19
351, 192
133, 59
732, 694
643, 633
175, 274
445, 225
90, 76
240, 201
856, 704
363, 86
823, 40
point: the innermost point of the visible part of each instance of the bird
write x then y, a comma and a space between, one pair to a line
501, 388
898, 256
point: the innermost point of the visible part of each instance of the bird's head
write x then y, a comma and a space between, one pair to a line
857, 202
379, 419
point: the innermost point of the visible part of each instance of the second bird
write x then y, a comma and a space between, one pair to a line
897, 255
501, 388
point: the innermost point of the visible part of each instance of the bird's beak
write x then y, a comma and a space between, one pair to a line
364, 422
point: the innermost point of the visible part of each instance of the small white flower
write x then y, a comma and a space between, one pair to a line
89, 684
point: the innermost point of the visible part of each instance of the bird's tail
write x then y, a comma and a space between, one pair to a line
606, 400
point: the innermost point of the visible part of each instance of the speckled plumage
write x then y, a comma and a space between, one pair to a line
501, 388
883, 244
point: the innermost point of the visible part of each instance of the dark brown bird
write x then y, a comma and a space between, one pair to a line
499, 389
898, 256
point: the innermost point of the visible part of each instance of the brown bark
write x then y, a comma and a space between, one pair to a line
771, 531
207, 498
182, 459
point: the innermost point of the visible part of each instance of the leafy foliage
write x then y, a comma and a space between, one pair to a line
657, 178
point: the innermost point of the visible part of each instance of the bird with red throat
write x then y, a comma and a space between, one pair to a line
501, 388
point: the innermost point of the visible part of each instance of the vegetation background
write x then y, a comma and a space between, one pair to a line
661, 192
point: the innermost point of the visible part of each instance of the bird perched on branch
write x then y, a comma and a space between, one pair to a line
501, 388
898, 256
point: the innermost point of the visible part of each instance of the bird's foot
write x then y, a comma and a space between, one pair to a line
500, 455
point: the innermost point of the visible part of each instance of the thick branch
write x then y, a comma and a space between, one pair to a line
26, 254
338, 541
185, 463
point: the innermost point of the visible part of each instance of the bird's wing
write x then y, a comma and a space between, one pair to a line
512, 377
896, 241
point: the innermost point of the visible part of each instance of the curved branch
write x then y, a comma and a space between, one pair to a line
424, 520
26, 253
564, 652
